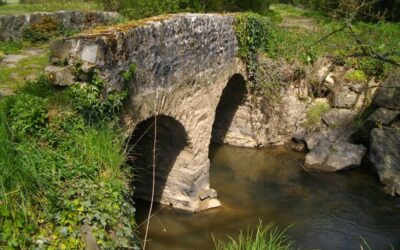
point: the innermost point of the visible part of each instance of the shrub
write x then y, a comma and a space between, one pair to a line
253, 33
28, 115
93, 102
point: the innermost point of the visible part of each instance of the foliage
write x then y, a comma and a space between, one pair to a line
253, 32
364, 9
54, 184
315, 113
137, 9
129, 74
264, 238
93, 102
28, 115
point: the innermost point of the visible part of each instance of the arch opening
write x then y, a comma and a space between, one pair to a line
233, 96
171, 139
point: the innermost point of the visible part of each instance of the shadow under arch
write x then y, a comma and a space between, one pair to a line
171, 140
233, 95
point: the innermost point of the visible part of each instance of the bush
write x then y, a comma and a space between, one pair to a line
28, 115
93, 102
253, 34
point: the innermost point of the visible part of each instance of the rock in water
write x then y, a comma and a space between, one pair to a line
385, 155
331, 157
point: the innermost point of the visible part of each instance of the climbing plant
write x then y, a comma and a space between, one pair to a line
253, 32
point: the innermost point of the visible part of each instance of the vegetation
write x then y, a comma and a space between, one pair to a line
15, 7
264, 238
62, 170
145, 8
28, 68
315, 113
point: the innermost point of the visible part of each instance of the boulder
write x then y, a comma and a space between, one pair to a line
388, 95
331, 157
337, 118
345, 98
381, 117
385, 155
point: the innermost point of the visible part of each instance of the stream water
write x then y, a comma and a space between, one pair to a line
325, 211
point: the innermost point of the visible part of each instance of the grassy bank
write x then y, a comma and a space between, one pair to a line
61, 172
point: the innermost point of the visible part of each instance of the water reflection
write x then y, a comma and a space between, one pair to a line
328, 211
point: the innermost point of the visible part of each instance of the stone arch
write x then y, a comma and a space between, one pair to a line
233, 96
171, 142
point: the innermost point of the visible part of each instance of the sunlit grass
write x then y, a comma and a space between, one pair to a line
50, 5
267, 237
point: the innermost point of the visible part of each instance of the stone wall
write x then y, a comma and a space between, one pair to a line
13, 26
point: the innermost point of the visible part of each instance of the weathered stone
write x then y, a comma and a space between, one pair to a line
337, 118
209, 204
388, 95
345, 98
13, 26
381, 117
61, 76
357, 87
385, 155
210, 193
328, 157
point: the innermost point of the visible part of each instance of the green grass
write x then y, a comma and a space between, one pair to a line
30, 67
297, 44
315, 113
263, 238
50, 5
59, 171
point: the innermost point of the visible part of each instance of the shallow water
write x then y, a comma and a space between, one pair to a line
326, 211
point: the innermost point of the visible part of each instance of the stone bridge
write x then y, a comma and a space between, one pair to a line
189, 81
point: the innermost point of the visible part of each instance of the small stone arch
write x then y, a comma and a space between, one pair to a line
171, 142
233, 96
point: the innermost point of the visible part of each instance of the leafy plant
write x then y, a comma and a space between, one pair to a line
28, 115
252, 32
93, 102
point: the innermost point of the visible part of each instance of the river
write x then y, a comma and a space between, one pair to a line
324, 211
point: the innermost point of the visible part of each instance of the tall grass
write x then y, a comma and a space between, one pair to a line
267, 237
